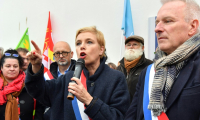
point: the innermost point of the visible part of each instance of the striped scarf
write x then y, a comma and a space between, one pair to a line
167, 67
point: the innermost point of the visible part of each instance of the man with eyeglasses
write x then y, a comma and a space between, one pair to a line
22, 52
133, 62
63, 63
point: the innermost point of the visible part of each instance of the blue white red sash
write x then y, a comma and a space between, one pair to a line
48, 75
148, 115
79, 106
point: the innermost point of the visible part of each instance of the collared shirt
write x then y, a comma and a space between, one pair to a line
59, 73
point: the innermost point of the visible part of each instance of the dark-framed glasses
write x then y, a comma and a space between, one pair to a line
64, 54
10, 54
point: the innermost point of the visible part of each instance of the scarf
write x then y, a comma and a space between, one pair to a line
128, 65
167, 68
147, 91
7, 91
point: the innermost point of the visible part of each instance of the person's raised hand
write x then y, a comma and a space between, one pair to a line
35, 57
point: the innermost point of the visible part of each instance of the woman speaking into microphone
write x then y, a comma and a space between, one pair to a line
100, 94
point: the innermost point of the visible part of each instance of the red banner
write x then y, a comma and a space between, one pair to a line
47, 57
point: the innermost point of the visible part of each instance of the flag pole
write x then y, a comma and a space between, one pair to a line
122, 36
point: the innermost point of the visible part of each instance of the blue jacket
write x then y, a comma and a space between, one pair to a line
108, 86
183, 102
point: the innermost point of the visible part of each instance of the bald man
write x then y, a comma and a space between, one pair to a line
63, 63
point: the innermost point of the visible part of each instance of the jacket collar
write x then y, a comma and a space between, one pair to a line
54, 68
97, 72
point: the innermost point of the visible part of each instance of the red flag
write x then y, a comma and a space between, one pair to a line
47, 56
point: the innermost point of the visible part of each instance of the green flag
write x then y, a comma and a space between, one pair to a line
24, 42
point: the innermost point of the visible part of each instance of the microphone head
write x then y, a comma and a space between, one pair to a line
81, 61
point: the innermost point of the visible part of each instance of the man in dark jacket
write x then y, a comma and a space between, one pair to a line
64, 63
133, 62
170, 88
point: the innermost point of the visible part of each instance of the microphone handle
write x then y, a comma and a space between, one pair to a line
77, 74
70, 96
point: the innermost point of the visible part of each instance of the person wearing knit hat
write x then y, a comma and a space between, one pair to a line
133, 62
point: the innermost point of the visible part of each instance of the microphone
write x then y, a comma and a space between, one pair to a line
80, 63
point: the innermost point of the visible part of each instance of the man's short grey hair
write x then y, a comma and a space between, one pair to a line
192, 10
1, 50
24, 50
141, 45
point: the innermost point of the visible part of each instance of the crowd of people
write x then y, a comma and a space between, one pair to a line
137, 88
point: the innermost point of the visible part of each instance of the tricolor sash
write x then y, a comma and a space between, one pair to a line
78, 106
48, 75
148, 115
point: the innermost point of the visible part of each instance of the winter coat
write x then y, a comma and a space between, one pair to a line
107, 87
132, 77
183, 100
26, 107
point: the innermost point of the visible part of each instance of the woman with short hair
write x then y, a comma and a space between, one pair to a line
100, 94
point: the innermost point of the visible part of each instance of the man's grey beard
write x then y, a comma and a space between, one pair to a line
62, 63
132, 54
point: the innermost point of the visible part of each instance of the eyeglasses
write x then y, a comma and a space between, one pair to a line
10, 54
64, 54
134, 45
